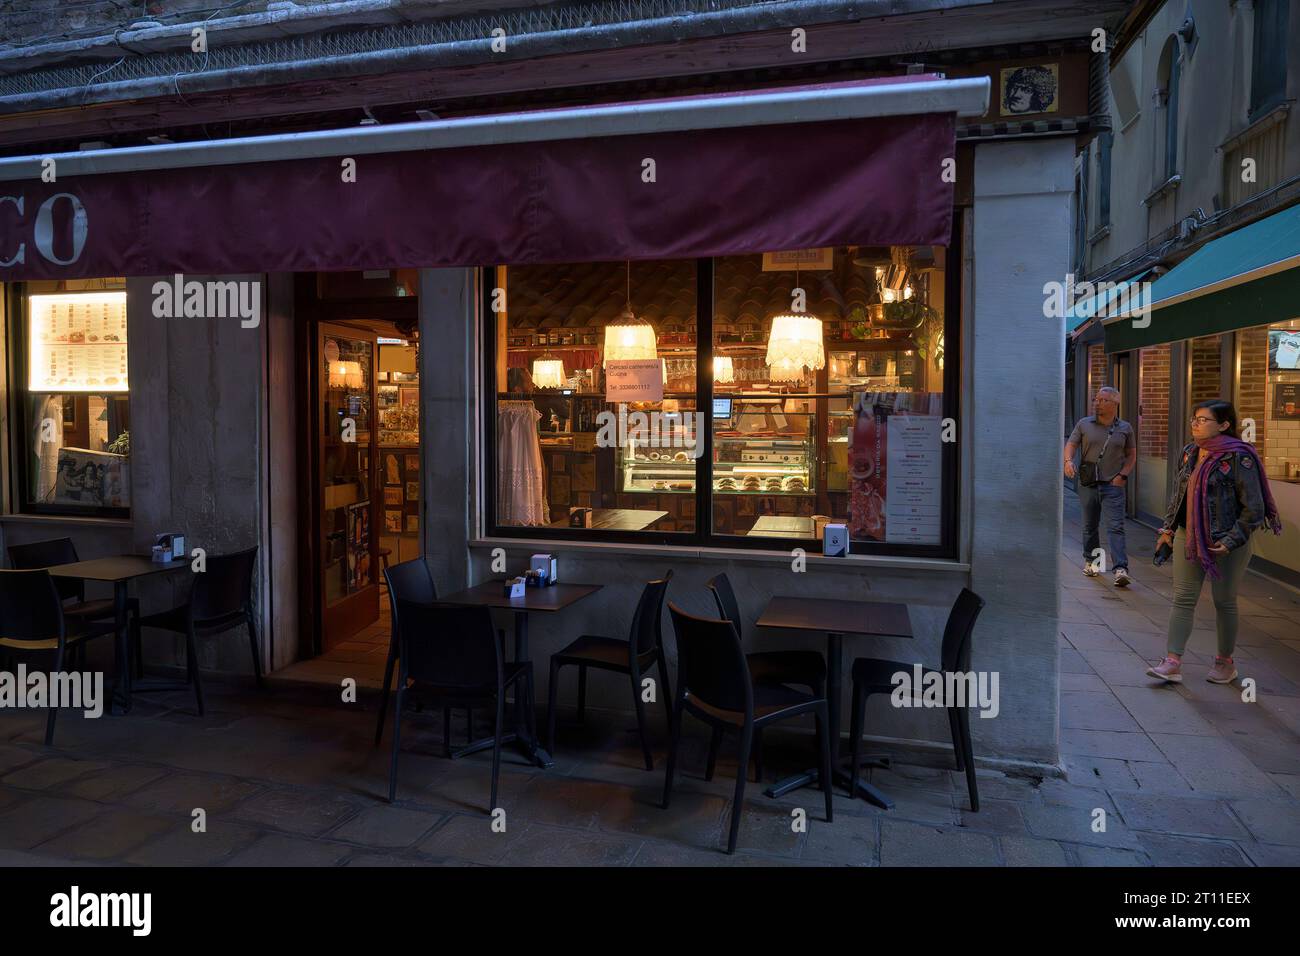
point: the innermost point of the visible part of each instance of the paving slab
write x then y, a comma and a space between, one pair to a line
915, 844
180, 846
1027, 851
541, 845
110, 835
1075, 825
1166, 813
1166, 850
278, 850
295, 811
1214, 765
1084, 710
49, 773
1108, 743
1269, 821
386, 826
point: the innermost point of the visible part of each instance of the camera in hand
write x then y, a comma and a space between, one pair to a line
1163, 554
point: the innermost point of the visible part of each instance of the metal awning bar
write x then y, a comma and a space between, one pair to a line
895, 96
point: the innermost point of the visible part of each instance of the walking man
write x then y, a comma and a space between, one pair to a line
1107, 456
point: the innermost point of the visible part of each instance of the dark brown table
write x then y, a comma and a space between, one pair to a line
782, 526
119, 571
547, 600
617, 519
836, 619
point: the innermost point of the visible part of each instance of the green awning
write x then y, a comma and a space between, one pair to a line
1248, 277
1103, 302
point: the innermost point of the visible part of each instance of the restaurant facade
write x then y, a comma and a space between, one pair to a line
353, 347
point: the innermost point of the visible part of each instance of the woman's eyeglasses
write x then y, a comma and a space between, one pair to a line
1198, 420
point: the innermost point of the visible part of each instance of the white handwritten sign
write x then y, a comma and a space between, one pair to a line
634, 380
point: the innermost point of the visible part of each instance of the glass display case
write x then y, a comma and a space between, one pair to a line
764, 446
659, 459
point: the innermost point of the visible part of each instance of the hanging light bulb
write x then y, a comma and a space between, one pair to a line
630, 337
548, 372
795, 343
723, 369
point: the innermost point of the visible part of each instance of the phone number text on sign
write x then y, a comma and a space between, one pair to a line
634, 380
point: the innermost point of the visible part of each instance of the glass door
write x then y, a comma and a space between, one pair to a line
349, 535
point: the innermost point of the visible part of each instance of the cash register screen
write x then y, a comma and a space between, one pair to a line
722, 408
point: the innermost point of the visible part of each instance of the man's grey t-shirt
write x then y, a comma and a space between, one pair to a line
1089, 434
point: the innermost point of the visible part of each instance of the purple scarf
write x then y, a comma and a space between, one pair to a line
1219, 448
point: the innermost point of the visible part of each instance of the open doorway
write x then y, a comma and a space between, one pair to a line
361, 461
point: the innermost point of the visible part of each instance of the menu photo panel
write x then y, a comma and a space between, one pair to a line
77, 342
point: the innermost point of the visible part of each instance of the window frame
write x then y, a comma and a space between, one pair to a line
703, 536
1260, 101
17, 311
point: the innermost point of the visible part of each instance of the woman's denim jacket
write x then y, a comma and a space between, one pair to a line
1235, 497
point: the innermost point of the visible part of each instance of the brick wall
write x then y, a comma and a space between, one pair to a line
1096, 372
1153, 398
1252, 391
1207, 370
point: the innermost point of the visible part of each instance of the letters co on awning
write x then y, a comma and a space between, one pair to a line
847, 163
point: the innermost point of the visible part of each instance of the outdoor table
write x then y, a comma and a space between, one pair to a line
546, 600
617, 519
836, 619
119, 571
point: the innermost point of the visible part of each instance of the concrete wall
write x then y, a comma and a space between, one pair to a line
1022, 240
1013, 356
197, 451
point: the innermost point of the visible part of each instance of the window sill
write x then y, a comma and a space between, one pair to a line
1168, 186
854, 562
66, 519
1099, 235
1267, 118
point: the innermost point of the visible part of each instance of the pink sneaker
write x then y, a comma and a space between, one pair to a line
1223, 671
1169, 670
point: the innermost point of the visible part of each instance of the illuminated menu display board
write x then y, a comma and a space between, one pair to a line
77, 342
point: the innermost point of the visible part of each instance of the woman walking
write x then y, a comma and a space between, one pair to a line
1222, 496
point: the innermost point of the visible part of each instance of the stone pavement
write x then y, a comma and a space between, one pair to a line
1186, 775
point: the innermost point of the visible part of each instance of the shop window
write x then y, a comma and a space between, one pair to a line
69, 363
1153, 429
798, 390
1268, 55
1281, 453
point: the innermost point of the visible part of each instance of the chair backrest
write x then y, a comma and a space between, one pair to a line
225, 588
646, 634
955, 654
410, 581
47, 554
711, 667
30, 606
728, 607
448, 644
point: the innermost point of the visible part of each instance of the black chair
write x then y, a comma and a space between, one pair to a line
410, 581
714, 684
450, 654
633, 657
801, 668
72, 591
32, 621
221, 599
874, 676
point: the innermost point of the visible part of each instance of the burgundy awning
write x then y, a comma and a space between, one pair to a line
716, 191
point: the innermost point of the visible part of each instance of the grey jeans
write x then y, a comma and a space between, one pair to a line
1188, 578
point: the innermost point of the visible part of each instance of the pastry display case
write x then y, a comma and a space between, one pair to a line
764, 446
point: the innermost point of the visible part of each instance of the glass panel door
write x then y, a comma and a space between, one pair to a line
348, 534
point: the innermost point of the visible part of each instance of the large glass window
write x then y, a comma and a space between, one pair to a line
69, 369
783, 392
1268, 393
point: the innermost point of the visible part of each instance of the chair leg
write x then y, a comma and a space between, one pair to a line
758, 755
963, 722
639, 704
383, 697
855, 733
252, 643
742, 774
192, 663
956, 739
714, 741
137, 643
824, 755
674, 738
54, 710
530, 711
398, 699
496, 747
552, 693
582, 693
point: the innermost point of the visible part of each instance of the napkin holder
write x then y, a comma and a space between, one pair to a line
835, 540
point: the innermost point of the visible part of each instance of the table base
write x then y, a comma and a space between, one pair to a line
812, 778
532, 752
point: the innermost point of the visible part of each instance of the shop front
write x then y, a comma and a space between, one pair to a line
690, 333
1222, 324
